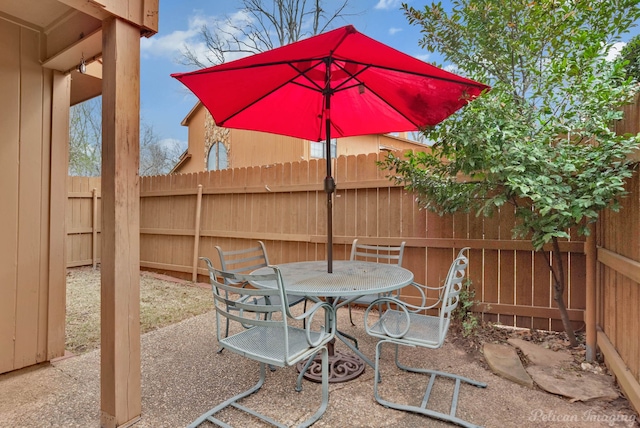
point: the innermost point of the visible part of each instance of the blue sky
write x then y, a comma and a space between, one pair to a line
165, 101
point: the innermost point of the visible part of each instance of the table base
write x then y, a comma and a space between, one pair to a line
342, 367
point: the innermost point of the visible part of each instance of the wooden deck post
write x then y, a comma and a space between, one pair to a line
120, 396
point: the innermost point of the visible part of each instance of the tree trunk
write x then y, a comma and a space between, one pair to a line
557, 270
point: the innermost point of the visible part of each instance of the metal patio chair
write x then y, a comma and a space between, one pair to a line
267, 336
405, 324
391, 254
245, 261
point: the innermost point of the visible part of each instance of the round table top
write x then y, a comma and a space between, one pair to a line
349, 278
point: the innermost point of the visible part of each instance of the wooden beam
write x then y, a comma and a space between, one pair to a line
88, 47
140, 13
57, 215
120, 395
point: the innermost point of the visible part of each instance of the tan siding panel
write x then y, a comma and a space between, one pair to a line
44, 212
9, 156
28, 296
59, 163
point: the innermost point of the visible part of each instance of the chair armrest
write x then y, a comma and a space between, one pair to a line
402, 307
422, 291
329, 322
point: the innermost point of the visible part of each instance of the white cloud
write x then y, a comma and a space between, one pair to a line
394, 30
614, 52
173, 44
423, 57
387, 4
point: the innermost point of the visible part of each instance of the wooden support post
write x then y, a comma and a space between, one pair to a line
590, 298
94, 228
57, 220
196, 237
120, 395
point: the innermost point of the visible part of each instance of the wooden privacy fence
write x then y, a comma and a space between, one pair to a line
83, 221
186, 216
617, 293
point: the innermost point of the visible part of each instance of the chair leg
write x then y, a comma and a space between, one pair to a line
209, 416
233, 401
303, 371
226, 334
422, 409
325, 390
350, 318
304, 309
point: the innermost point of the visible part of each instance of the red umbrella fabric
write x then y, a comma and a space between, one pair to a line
374, 89
336, 84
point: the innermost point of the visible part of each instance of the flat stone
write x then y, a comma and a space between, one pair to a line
577, 386
505, 362
540, 356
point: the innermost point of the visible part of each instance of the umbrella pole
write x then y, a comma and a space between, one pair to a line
329, 187
329, 183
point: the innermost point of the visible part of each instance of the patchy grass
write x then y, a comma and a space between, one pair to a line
161, 303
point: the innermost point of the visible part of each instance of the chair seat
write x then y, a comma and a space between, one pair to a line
424, 330
267, 344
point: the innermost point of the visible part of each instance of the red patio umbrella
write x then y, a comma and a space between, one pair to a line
336, 84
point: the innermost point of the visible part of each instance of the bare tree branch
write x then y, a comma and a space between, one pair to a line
269, 24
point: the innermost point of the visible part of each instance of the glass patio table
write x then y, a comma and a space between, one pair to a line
349, 281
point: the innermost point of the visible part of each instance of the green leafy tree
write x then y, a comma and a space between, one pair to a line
540, 139
631, 53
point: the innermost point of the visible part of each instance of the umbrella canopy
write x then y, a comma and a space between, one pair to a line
336, 84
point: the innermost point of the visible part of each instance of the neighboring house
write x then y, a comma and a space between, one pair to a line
212, 147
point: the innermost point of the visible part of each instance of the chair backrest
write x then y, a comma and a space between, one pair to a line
244, 307
243, 261
451, 294
391, 254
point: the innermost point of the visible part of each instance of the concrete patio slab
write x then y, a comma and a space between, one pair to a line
183, 376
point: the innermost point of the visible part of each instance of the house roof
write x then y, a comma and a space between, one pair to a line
187, 118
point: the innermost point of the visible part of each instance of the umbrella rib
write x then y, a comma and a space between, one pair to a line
300, 73
468, 82
245, 67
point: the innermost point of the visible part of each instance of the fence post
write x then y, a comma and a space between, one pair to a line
590, 298
196, 237
94, 228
